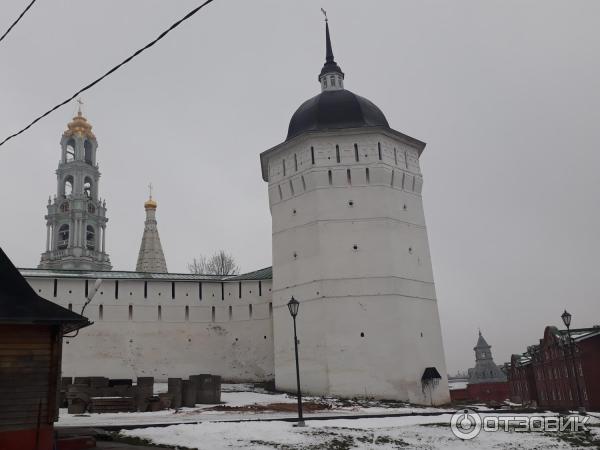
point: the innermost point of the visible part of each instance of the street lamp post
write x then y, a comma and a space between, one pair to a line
293, 305
566, 318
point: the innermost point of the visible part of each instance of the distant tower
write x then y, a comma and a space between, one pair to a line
151, 257
350, 244
76, 219
485, 370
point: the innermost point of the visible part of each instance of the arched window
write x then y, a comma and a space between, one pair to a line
68, 186
87, 187
70, 153
63, 236
91, 208
90, 237
87, 153
64, 207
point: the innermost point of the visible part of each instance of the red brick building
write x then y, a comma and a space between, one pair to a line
521, 380
556, 377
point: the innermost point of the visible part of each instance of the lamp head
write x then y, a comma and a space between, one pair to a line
293, 305
566, 318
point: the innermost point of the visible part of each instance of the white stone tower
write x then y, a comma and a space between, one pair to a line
76, 218
151, 257
485, 370
350, 243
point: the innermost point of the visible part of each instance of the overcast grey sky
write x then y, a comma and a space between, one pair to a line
505, 93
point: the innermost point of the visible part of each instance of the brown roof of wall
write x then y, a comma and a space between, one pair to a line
20, 304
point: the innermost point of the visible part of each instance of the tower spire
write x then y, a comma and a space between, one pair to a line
331, 76
151, 257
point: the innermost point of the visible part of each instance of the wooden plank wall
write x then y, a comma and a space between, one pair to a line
29, 368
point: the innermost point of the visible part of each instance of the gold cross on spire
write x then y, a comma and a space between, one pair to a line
79, 113
150, 190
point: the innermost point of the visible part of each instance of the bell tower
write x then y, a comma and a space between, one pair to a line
76, 217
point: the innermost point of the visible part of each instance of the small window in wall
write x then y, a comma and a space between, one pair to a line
392, 179
250, 311
280, 193
230, 312
187, 313
270, 309
86, 288
292, 187
172, 290
283, 162
330, 175
70, 306
379, 150
356, 152
213, 313
100, 312
145, 289
200, 290
240, 289
303, 183
159, 312
55, 287
260, 288
332, 80
349, 177
296, 162
337, 153
324, 81
367, 174
395, 156
312, 154
130, 312
117, 289
406, 158
222, 291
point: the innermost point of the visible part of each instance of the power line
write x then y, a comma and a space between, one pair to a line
17, 21
114, 69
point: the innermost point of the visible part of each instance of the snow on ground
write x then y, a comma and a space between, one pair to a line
377, 433
236, 396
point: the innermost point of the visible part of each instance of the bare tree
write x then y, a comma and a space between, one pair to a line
221, 263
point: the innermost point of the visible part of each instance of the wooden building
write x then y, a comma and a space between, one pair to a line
31, 331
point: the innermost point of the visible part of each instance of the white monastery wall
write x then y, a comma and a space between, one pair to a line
167, 328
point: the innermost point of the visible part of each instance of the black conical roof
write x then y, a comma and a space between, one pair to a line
19, 304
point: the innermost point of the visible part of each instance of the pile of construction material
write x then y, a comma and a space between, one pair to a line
103, 395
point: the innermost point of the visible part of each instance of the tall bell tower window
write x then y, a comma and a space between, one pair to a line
63, 236
87, 187
87, 152
70, 151
90, 237
68, 186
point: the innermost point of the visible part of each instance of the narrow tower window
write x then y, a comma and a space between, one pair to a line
63, 236
100, 312
250, 311
87, 152
280, 193
68, 186
86, 288
356, 152
117, 289
230, 312
70, 151
303, 183
87, 187
379, 150
337, 153
312, 154
296, 162
395, 156
330, 175
406, 158
240, 289
187, 313
90, 237
270, 309
292, 187
368, 175
283, 162
200, 290
55, 287
159, 312
145, 289
349, 177
392, 181
260, 288
213, 313
172, 290
130, 312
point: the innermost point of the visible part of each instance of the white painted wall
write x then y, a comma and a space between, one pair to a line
383, 288
238, 348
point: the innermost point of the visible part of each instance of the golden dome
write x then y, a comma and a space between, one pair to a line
150, 204
79, 126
